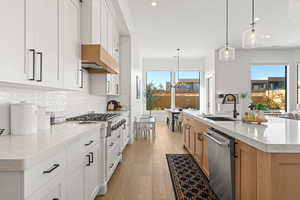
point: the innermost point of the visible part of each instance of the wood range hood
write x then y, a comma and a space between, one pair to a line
95, 59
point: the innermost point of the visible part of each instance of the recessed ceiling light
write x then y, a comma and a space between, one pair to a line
154, 3
267, 36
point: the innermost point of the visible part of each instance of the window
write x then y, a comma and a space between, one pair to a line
158, 90
268, 87
187, 92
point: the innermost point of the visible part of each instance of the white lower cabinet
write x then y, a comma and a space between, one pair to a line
75, 185
91, 176
54, 190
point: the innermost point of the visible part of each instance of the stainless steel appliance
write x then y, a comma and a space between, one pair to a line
114, 120
221, 163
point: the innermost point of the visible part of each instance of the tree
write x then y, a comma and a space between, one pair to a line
149, 94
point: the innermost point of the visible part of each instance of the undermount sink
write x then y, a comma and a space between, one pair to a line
220, 119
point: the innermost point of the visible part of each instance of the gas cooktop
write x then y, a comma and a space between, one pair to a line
94, 117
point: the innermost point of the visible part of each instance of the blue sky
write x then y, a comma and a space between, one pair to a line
257, 73
262, 72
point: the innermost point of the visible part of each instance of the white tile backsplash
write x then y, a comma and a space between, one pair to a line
69, 102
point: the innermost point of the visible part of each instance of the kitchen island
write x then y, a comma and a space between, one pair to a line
266, 157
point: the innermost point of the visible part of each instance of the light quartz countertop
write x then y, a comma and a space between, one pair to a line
18, 153
276, 136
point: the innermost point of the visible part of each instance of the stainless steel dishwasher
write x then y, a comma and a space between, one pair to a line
221, 163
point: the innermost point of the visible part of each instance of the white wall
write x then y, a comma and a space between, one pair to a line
70, 103
234, 77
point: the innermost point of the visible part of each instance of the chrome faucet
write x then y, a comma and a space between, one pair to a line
235, 113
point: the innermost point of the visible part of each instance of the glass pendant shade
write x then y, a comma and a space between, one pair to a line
252, 39
227, 53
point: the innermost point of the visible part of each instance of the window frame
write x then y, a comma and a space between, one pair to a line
286, 79
146, 81
173, 91
199, 92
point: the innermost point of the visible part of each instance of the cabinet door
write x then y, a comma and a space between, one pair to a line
104, 24
91, 173
75, 187
43, 36
186, 132
54, 190
245, 172
12, 40
192, 140
110, 33
199, 148
115, 43
71, 43
205, 166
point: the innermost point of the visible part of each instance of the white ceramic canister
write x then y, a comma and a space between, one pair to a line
43, 118
24, 118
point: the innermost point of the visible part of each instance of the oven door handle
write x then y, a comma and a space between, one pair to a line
215, 140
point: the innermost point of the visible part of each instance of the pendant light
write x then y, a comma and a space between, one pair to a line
227, 53
177, 80
250, 37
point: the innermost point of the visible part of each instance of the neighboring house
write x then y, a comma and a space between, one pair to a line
272, 83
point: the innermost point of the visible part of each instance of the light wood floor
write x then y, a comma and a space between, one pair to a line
144, 173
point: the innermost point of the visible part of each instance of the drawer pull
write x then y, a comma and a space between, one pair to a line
111, 165
92, 155
88, 144
54, 167
119, 136
111, 144
89, 160
55, 199
200, 136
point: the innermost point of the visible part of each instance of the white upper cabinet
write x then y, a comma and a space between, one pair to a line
70, 24
104, 24
12, 40
91, 28
43, 40
110, 34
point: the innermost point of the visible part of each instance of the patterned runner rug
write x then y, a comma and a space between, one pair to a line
189, 182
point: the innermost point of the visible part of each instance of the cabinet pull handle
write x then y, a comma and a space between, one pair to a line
33, 64
200, 136
54, 167
235, 156
111, 165
81, 84
88, 144
111, 144
55, 199
41, 66
119, 153
92, 155
119, 136
89, 160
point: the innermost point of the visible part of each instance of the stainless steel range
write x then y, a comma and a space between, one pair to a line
114, 121
113, 139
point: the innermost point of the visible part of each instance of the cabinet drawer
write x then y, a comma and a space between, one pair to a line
113, 159
113, 140
90, 140
44, 172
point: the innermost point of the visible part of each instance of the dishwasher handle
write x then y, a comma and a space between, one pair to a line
221, 143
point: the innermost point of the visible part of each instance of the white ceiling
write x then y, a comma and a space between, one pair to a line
198, 26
